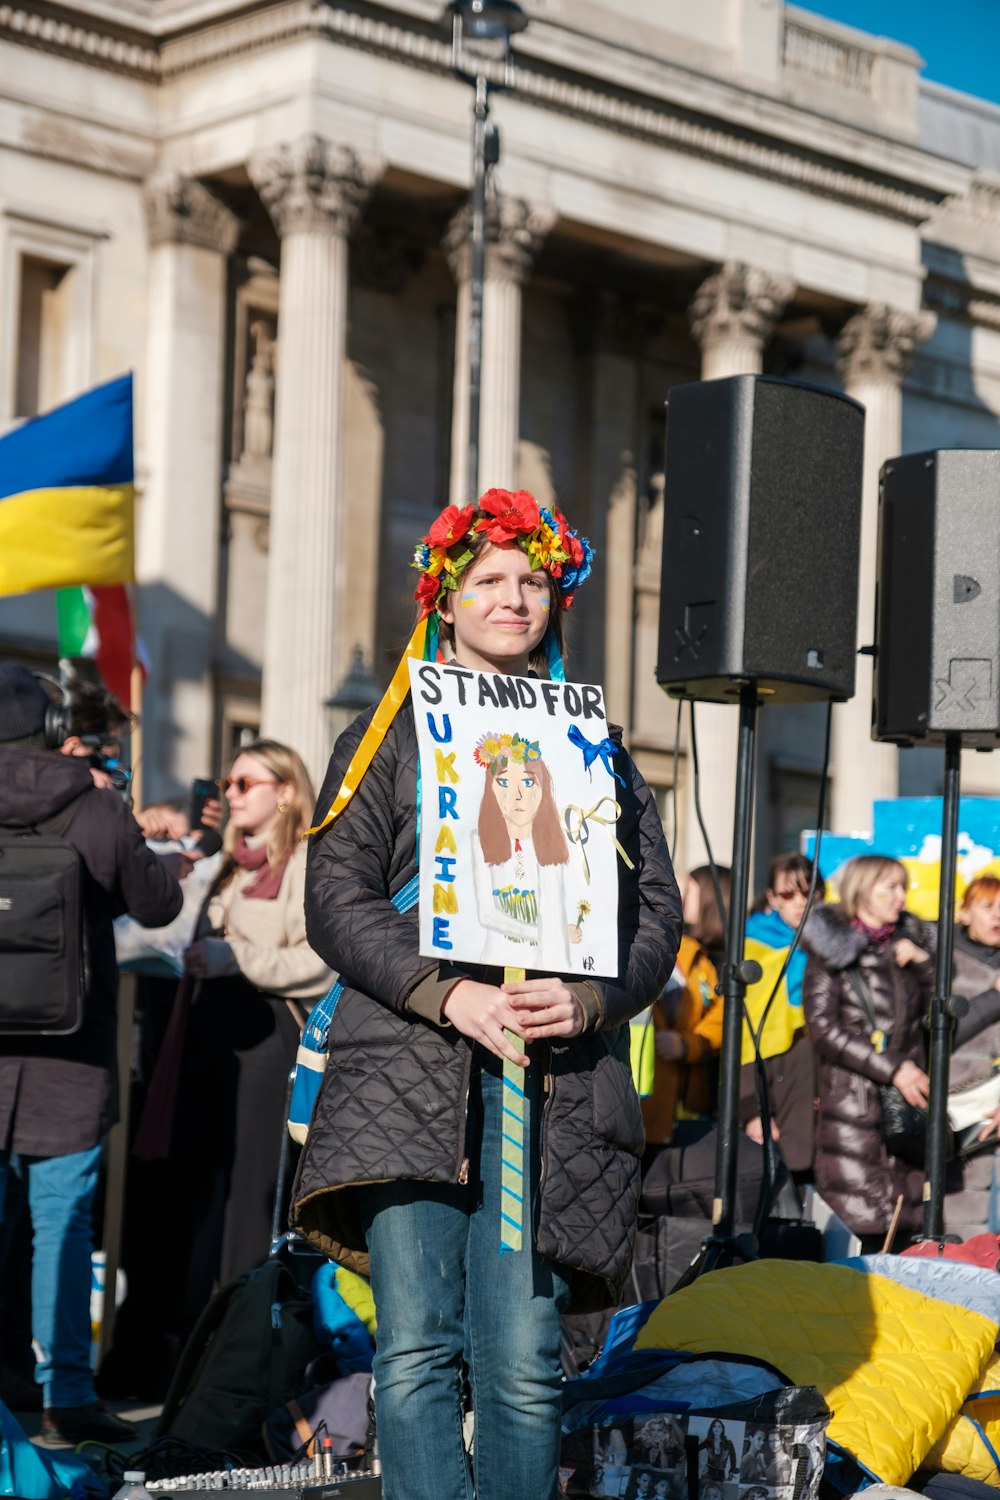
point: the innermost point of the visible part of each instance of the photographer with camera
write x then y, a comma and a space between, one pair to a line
58, 1089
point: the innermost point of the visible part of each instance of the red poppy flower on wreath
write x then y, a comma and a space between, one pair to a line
508, 514
427, 591
451, 525
572, 544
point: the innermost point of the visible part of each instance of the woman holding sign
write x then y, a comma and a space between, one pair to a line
475, 1146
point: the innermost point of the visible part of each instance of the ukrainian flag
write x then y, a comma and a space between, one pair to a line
67, 495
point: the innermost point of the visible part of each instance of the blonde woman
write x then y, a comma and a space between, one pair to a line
869, 939
257, 979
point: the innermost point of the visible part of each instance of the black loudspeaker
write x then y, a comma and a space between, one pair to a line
761, 531
937, 662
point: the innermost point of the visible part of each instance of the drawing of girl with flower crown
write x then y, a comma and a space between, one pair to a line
519, 855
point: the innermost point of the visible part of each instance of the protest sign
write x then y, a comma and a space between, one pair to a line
518, 859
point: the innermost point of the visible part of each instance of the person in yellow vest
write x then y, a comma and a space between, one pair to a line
687, 1016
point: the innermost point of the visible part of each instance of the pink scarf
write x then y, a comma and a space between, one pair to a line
876, 935
268, 883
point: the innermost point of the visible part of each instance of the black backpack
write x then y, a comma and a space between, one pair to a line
246, 1356
43, 941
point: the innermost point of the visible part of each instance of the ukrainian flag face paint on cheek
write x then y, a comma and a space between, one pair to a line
468, 599
543, 605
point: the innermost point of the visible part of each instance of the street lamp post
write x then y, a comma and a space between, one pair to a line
358, 691
481, 32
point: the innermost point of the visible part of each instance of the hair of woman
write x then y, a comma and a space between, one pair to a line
539, 658
794, 867
983, 888
286, 765
546, 832
710, 928
859, 877
798, 869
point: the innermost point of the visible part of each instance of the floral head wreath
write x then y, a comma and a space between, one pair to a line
442, 557
545, 537
494, 752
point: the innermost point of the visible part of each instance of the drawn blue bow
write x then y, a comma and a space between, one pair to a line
604, 748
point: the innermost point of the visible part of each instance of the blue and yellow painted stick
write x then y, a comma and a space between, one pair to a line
512, 1169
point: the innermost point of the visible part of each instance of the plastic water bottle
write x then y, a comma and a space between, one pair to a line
133, 1486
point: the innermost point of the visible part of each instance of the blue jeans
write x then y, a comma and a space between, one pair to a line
60, 1196
445, 1297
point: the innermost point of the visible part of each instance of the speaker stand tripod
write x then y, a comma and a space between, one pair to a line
723, 1246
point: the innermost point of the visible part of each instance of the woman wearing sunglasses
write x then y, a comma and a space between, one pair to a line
257, 978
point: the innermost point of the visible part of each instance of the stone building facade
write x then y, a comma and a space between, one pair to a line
260, 206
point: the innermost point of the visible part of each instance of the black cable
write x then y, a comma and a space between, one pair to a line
763, 1097
170, 1457
673, 781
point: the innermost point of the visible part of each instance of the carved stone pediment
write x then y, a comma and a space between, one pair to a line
313, 184
516, 231
181, 211
739, 303
879, 342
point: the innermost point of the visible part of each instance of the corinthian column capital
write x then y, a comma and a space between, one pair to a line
311, 184
516, 231
182, 211
738, 304
879, 343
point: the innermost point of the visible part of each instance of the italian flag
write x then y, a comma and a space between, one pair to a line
97, 622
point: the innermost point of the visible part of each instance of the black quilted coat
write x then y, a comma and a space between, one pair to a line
854, 1172
393, 1101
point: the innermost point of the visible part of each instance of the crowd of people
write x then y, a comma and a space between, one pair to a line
847, 1018
238, 926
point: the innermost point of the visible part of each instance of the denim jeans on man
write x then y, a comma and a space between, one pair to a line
444, 1295
61, 1197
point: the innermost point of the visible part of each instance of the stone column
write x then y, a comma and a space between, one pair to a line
874, 351
609, 339
182, 401
733, 315
516, 232
315, 193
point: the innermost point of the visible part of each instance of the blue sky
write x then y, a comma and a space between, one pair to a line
959, 42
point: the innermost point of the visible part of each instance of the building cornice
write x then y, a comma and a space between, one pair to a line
101, 43
144, 47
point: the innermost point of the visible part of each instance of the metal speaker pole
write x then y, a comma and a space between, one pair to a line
937, 682
758, 604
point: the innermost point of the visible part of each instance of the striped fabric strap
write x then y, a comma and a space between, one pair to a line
512, 1175
557, 672
316, 1034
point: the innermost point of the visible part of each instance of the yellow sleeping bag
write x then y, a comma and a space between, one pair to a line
895, 1366
971, 1442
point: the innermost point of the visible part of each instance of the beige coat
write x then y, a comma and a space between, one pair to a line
268, 938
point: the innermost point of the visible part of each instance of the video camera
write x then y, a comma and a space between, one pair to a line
105, 755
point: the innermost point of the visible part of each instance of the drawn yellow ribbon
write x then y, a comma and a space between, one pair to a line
392, 701
576, 819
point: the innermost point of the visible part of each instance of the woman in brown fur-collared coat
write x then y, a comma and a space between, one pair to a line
871, 934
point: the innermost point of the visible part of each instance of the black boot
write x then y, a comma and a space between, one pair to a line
68, 1426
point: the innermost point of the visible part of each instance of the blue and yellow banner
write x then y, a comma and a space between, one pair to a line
67, 495
768, 940
909, 829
